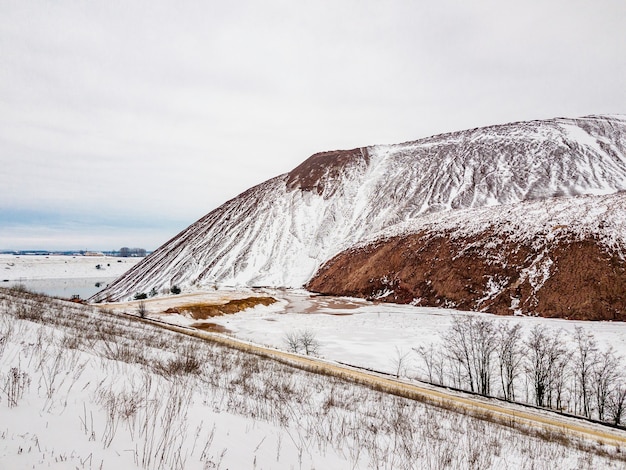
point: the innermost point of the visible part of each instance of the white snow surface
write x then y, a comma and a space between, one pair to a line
278, 235
84, 389
360, 332
32, 267
541, 222
74, 394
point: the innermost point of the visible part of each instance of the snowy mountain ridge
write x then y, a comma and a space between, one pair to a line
280, 232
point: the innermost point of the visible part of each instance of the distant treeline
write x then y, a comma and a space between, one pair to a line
124, 252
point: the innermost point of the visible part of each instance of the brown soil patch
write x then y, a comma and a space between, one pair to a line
212, 327
202, 311
318, 170
584, 280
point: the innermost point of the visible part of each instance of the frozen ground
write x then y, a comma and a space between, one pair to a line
18, 268
62, 276
111, 369
89, 390
359, 332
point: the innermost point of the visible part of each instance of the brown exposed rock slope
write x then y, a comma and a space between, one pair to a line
557, 277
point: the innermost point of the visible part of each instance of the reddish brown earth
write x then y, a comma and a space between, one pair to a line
316, 171
584, 281
202, 310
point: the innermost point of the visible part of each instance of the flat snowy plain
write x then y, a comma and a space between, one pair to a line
80, 388
356, 331
62, 276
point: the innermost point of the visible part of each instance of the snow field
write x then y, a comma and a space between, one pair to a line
394, 339
28, 267
366, 334
61, 275
86, 389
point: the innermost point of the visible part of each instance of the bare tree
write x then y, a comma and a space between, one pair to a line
584, 361
559, 378
536, 368
292, 341
546, 359
486, 342
141, 309
434, 361
457, 343
471, 342
309, 342
616, 404
304, 341
604, 377
400, 361
510, 357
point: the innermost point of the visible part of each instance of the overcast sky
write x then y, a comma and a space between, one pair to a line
122, 122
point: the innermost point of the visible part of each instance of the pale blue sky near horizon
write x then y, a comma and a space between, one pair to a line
123, 122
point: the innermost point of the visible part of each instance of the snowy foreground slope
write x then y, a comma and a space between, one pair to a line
280, 232
91, 390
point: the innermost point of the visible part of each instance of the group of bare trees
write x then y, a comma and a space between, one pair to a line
546, 367
302, 342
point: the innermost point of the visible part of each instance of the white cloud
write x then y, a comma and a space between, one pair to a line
167, 109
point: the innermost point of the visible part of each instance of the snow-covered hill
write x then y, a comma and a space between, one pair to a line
281, 231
